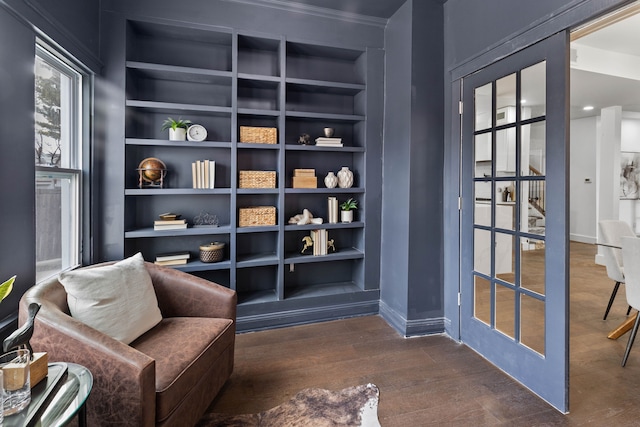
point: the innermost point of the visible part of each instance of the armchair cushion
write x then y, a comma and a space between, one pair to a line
118, 299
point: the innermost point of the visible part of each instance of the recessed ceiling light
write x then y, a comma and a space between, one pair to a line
523, 101
588, 108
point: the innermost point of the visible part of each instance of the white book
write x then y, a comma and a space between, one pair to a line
205, 180
212, 174
194, 175
169, 227
199, 173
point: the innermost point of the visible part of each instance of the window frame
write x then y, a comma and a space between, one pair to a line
81, 105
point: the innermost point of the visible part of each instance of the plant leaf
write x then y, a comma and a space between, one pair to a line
6, 288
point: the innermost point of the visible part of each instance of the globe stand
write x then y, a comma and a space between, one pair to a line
144, 182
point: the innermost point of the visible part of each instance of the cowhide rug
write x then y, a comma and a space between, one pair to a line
311, 407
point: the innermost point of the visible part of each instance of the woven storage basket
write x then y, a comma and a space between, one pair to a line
257, 179
257, 215
258, 135
212, 252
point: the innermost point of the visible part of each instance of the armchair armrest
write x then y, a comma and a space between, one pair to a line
124, 378
184, 295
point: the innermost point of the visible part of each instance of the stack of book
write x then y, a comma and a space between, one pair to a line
203, 173
320, 241
169, 224
305, 178
174, 258
328, 142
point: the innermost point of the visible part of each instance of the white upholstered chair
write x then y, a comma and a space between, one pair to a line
631, 257
612, 231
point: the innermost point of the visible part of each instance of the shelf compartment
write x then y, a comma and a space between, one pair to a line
189, 231
175, 191
150, 248
258, 95
352, 132
179, 45
340, 255
194, 266
324, 100
174, 144
313, 62
180, 73
322, 290
142, 211
328, 226
299, 147
257, 249
178, 162
347, 241
257, 297
257, 284
149, 85
144, 120
258, 55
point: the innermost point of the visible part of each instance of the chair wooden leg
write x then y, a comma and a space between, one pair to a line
613, 296
632, 338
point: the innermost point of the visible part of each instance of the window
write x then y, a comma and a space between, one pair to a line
58, 157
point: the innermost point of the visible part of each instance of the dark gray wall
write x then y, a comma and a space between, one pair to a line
17, 169
72, 24
411, 261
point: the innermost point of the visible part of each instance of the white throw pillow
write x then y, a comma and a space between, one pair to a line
117, 299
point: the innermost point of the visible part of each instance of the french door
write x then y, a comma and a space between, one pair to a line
514, 225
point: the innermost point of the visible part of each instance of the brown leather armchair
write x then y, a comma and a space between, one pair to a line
166, 377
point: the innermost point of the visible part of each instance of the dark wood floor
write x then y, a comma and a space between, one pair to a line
433, 380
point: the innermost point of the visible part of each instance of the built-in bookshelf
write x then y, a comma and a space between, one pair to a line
224, 79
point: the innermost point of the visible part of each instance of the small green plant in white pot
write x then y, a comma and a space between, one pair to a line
346, 210
177, 128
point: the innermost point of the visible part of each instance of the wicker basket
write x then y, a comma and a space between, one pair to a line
257, 215
212, 252
257, 179
258, 135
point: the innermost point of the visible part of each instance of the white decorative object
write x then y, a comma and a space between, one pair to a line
332, 209
331, 180
345, 177
346, 216
196, 133
177, 134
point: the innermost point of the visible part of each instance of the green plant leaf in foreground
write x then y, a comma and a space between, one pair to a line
6, 288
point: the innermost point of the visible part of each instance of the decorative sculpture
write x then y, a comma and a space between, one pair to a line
21, 336
306, 217
308, 243
330, 245
304, 139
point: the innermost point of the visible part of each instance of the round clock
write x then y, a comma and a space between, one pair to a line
196, 133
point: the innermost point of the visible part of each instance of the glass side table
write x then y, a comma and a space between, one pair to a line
57, 398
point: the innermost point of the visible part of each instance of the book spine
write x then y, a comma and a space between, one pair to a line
205, 180
194, 176
212, 174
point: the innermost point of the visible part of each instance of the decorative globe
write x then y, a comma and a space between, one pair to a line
152, 169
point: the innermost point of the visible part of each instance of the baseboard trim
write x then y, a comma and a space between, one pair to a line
411, 328
582, 238
281, 319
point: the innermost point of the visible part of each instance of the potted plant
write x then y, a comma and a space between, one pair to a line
346, 210
177, 128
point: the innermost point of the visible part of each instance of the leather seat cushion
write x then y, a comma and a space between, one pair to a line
184, 348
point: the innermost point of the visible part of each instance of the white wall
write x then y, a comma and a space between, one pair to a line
583, 201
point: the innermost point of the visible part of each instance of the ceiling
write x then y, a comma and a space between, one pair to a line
614, 80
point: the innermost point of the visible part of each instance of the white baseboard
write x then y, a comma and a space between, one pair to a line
583, 239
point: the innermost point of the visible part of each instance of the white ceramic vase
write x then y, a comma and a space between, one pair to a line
178, 134
331, 180
346, 216
345, 177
